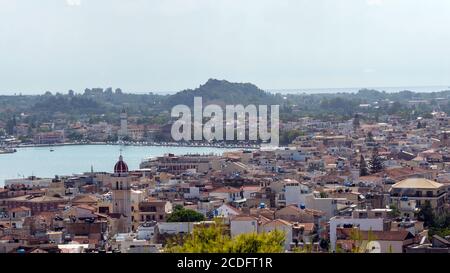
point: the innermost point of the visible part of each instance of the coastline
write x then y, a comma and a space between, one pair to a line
78, 158
156, 144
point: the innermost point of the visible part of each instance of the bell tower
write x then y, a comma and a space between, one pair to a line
121, 192
123, 131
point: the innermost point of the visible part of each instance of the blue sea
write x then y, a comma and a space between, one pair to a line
76, 159
425, 89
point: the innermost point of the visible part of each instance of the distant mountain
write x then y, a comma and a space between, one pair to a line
223, 92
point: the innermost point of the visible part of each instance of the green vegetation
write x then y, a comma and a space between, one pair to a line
104, 105
213, 239
376, 162
360, 243
395, 212
426, 214
363, 169
438, 224
180, 214
286, 137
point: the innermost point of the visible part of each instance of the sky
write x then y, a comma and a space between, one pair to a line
169, 45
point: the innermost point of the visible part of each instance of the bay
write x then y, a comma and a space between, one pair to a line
76, 159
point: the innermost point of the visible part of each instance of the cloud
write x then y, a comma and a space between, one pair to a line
73, 3
374, 2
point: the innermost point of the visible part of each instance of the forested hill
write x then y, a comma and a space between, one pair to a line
223, 92
105, 104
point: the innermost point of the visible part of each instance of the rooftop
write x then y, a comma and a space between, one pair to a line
419, 183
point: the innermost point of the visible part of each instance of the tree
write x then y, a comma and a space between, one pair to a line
369, 137
395, 212
363, 169
419, 125
360, 243
426, 214
10, 125
286, 137
376, 162
213, 239
180, 214
324, 244
440, 225
356, 122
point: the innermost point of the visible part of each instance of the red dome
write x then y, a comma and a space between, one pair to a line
121, 166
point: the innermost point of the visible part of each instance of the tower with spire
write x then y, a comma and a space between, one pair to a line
123, 131
121, 194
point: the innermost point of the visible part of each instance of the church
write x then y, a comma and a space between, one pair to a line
121, 196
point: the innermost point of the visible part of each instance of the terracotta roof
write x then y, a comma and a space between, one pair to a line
244, 218
85, 199
30, 198
279, 222
295, 209
307, 226
19, 209
417, 183
86, 207
399, 235
226, 190
232, 208
251, 188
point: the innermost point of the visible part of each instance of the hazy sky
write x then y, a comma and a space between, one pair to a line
169, 45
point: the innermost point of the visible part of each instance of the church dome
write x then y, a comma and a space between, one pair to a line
121, 166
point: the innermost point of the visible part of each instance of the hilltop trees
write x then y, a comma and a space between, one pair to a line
213, 239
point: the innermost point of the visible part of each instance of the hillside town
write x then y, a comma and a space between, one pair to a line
387, 182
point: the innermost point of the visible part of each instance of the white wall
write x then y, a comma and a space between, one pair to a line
240, 227
327, 205
287, 229
175, 227
374, 224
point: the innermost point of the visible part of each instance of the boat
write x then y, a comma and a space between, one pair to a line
51, 150
7, 150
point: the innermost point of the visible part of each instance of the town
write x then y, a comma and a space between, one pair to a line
356, 184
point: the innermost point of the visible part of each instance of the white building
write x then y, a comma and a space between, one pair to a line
146, 232
364, 224
175, 227
226, 211
327, 205
127, 243
243, 224
294, 193
228, 194
30, 182
280, 225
